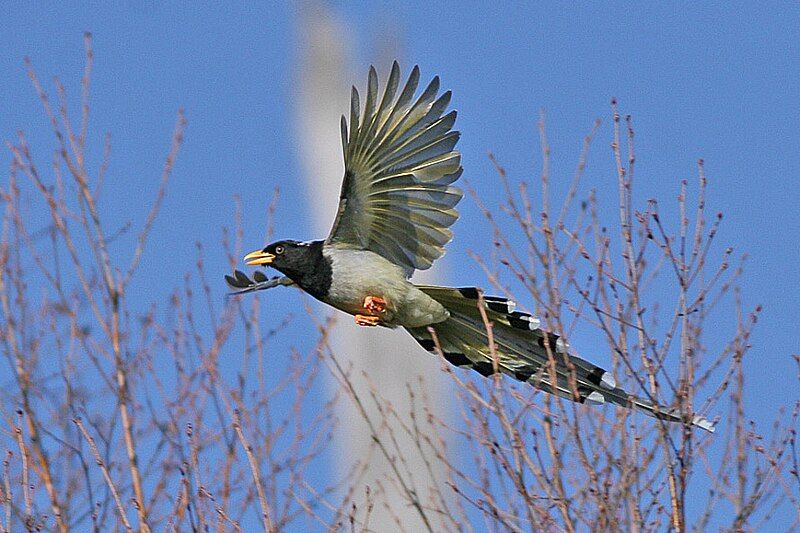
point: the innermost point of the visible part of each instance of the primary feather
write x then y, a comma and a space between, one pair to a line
397, 199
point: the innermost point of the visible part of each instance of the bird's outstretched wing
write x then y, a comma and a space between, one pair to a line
396, 198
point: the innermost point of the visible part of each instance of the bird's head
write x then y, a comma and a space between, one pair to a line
293, 258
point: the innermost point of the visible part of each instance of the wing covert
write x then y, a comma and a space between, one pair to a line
400, 161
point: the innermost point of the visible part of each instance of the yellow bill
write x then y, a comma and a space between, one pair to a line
258, 257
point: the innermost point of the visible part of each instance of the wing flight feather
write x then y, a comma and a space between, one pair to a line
397, 197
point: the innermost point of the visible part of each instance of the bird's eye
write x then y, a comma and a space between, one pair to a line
279, 250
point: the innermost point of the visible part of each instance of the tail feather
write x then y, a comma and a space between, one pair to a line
521, 347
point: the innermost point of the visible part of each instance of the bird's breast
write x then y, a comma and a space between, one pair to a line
357, 274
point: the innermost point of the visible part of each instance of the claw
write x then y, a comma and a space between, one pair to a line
375, 304
365, 320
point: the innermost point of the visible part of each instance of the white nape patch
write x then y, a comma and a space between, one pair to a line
607, 381
595, 398
562, 346
703, 423
512, 305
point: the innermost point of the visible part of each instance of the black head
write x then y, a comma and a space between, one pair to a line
294, 259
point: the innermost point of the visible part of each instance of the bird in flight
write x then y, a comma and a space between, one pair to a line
396, 206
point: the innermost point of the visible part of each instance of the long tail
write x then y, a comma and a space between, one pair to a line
522, 346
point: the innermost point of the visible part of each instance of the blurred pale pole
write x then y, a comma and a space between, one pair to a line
390, 358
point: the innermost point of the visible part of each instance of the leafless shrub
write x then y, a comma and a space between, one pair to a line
125, 418
648, 290
118, 417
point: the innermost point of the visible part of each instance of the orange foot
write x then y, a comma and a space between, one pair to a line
375, 304
365, 320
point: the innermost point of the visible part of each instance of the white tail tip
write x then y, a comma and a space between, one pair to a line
703, 423
607, 380
596, 398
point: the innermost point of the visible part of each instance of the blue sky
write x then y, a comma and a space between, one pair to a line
719, 82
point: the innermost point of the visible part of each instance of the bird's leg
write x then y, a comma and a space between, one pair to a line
366, 320
375, 304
